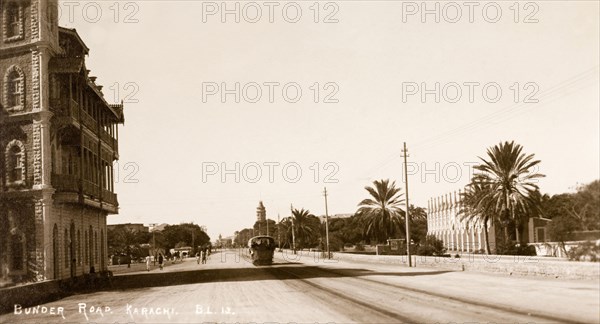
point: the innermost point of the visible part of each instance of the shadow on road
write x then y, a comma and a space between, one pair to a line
282, 271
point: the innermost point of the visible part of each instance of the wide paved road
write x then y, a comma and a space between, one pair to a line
230, 289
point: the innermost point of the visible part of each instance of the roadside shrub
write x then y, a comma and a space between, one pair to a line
431, 247
586, 251
516, 249
359, 247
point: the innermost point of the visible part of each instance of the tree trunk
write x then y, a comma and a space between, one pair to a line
486, 238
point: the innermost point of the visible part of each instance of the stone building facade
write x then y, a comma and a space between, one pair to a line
463, 235
457, 233
58, 139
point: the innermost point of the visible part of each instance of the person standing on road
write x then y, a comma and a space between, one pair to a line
198, 257
148, 263
160, 261
203, 256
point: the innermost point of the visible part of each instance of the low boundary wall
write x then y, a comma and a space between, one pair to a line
500, 264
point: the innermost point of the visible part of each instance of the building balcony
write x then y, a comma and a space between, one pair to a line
89, 122
110, 198
68, 190
111, 141
67, 111
91, 189
65, 182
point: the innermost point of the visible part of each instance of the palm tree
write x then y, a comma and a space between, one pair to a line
305, 226
476, 206
382, 216
511, 182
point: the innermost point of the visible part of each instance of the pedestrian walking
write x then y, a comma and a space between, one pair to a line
148, 263
198, 257
203, 256
160, 261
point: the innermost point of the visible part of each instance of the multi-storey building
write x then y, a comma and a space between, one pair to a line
59, 139
467, 235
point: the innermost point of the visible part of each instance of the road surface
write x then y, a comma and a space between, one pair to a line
230, 289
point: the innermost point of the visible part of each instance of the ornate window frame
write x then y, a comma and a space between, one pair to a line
22, 162
20, 105
7, 21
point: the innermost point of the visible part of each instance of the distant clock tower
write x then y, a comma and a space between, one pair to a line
261, 212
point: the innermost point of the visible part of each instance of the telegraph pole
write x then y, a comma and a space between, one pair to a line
153, 241
267, 226
407, 218
327, 224
278, 231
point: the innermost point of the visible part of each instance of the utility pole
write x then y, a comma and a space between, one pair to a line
327, 224
278, 231
407, 218
153, 241
293, 231
267, 226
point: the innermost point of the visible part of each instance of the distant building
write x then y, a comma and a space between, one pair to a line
225, 242
335, 216
261, 212
158, 228
130, 227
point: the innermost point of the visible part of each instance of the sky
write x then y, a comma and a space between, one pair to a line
302, 95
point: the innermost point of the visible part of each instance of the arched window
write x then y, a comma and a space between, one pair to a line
15, 164
55, 251
66, 248
96, 252
14, 89
91, 246
86, 247
13, 29
79, 256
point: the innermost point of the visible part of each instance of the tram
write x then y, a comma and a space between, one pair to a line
262, 249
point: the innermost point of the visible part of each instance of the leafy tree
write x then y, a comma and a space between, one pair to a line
586, 206
381, 214
121, 240
261, 228
242, 237
431, 246
305, 226
509, 180
573, 212
188, 233
418, 224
